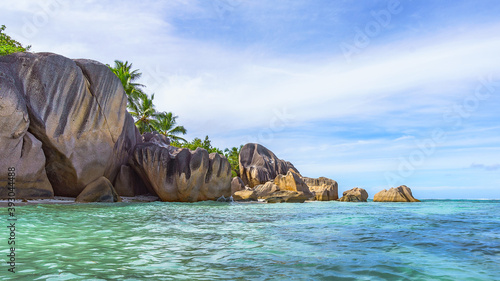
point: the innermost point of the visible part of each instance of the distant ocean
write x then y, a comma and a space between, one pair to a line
431, 240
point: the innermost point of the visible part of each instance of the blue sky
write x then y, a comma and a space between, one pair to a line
373, 94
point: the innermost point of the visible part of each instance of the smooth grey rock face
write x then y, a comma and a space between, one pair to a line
71, 114
259, 165
182, 175
18, 147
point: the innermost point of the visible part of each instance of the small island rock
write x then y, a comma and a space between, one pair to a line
399, 194
354, 195
324, 189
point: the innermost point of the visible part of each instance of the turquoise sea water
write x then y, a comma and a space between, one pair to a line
431, 240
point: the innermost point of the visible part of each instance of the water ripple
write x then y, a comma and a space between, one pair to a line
432, 240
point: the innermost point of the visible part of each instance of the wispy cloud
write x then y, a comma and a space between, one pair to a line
493, 167
232, 69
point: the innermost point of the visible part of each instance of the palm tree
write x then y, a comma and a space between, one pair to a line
127, 77
165, 124
144, 112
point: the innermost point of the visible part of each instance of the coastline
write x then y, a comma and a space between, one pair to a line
71, 200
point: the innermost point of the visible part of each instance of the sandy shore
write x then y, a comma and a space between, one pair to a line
71, 200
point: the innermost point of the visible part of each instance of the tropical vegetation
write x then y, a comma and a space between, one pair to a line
9, 45
140, 105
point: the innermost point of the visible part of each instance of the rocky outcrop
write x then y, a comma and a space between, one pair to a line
245, 195
237, 185
287, 196
259, 165
271, 193
324, 189
291, 181
265, 190
182, 175
128, 183
398, 194
67, 124
100, 190
354, 195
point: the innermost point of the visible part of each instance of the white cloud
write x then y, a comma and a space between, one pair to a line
236, 93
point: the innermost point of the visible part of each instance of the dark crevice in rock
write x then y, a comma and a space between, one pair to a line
209, 171
60, 171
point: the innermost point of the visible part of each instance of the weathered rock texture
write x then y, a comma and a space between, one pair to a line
237, 185
64, 124
259, 165
100, 190
354, 195
324, 189
182, 175
128, 182
245, 195
291, 181
265, 190
398, 194
287, 196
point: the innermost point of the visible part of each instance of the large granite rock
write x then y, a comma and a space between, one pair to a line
291, 181
287, 196
128, 183
245, 195
182, 175
100, 190
266, 190
68, 123
237, 185
398, 194
354, 195
324, 189
259, 165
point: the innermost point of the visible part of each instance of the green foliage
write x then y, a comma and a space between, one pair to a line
147, 119
196, 142
141, 106
144, 112
9, 45
165, 123
123, 70
233, 156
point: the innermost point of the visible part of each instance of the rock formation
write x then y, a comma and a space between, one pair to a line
259, 165
245, 195
64, 124
265, 190
324, 189
399, 194
354, 195
287, 196
100, 190
182, 175
237, 185
291, 181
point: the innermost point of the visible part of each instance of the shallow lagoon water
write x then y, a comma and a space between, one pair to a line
431, 240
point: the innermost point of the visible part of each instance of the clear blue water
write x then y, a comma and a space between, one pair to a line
432, 240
